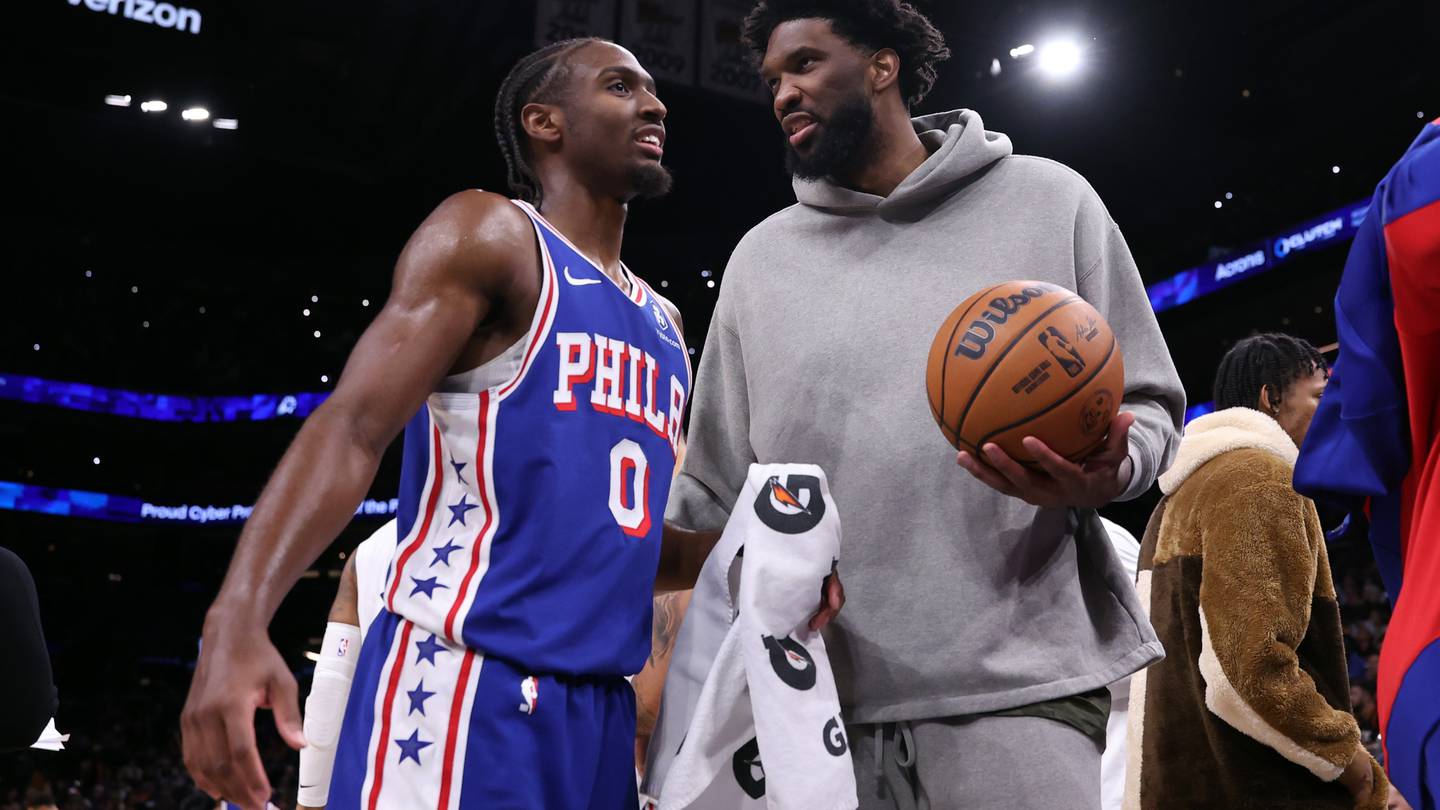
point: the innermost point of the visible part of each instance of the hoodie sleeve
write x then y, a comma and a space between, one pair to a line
1106, 276
1257, 588
718, 454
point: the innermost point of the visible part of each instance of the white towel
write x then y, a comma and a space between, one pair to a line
51, 739
748, 679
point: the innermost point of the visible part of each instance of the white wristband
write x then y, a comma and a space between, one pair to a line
325, 709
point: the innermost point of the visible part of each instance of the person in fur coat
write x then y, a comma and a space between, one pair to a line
1251, 706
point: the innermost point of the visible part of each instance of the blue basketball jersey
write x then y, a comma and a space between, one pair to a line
531, 510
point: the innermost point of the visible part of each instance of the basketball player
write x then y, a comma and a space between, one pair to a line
996, 699
541, 386
357, 603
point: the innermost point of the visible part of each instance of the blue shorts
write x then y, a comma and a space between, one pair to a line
431, 724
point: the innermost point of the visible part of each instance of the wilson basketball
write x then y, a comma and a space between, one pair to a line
1025, 358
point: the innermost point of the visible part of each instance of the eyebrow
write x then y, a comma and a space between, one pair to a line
789, 58
630, 74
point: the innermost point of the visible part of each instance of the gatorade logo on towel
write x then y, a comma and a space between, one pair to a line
792, 662
794, 507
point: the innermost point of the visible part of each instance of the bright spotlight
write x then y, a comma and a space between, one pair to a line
1060, 58
154, 105
1022, 50
195, 114
117, 101
225, 123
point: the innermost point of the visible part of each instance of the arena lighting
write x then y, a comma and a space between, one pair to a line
117, 101
1334, 169
317, 333
225, 123
313, 656
1219, 204
364, 302
154, 105
195, 114
324, 378
95, 460
1060, 58
1022, 50
305, 312
1229, 196
710, 283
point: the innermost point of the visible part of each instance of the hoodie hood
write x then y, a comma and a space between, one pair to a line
960, 148
1221, 432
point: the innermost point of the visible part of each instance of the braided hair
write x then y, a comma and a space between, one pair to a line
1270, 360
868, 24
536, 78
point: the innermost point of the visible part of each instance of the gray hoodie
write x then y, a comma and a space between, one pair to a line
961, 600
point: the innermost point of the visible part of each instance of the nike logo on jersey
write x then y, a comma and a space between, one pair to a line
625, 382
579, 282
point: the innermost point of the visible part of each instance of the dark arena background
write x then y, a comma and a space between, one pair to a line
204, 211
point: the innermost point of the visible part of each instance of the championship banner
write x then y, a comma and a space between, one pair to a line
567, 19
662, 36
725, 63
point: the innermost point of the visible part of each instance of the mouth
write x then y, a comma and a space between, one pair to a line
799, 127
651, 141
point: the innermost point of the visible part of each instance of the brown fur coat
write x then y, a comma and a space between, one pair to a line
1251, 706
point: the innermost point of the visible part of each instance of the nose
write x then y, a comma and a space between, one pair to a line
787, 98
652, 108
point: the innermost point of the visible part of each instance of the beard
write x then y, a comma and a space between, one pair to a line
650, 180
841, 144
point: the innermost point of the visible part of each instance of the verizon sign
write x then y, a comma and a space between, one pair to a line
149, 12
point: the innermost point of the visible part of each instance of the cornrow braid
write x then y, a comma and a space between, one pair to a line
1270, 360
534, 79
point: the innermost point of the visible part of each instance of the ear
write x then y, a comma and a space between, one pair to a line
884, 70
542, 122
1268, 403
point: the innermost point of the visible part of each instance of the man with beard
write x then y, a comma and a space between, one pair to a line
987, 610
541, 386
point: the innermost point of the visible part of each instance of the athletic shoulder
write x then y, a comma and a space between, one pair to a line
475, 236
482, 219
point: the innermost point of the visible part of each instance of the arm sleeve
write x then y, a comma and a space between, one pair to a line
1257, 585
1109, 280
718, 454
25, 677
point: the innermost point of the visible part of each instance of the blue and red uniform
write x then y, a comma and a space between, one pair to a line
532, 499
1375, 441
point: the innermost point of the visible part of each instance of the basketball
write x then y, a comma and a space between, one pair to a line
1025, 358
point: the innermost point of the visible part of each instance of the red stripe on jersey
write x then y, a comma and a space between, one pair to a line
457, 704
540, 330
482, 478
437, 480
390, 690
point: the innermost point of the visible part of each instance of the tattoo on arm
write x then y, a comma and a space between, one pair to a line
669, 613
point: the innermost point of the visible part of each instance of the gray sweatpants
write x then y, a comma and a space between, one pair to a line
995, 763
